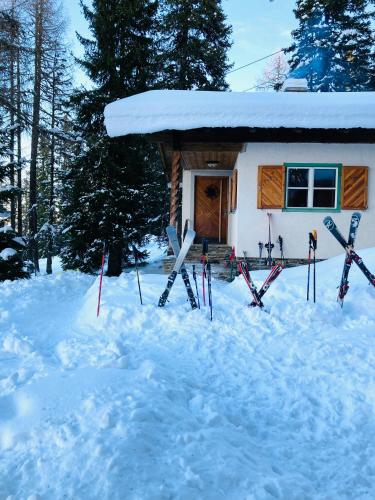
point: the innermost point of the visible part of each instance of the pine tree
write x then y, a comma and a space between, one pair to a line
195, 41
55, 143
106, 185
12, 265
333, 45
14, 66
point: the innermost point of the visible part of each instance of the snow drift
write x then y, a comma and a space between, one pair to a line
161, 403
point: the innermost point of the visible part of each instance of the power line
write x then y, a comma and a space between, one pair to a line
253, 62
255, 87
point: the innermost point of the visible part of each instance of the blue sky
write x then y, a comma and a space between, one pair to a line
260, 27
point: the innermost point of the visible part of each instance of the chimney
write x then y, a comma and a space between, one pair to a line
295, 85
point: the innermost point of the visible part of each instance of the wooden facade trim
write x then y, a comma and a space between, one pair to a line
175, 184
241, 135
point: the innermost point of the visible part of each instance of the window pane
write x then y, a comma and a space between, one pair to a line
298, 177
324, 177
297, 197
324, 198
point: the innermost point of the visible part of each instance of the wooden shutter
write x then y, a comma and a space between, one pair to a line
354, 186
233, 191
271, 186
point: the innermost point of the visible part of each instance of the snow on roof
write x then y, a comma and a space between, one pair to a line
298, 84
159, 110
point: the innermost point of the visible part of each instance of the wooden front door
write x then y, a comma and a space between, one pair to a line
211, 208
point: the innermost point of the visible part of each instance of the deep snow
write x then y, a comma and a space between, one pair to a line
147, 403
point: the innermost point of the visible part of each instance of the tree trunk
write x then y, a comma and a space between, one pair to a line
12, 136
52, 173
33, 219
115, 260
19, 148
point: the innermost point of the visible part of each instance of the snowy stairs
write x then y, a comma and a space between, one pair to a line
216, 253
218, 256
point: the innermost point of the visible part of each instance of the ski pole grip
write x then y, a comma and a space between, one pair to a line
313, 239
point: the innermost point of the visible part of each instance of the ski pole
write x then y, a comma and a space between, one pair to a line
209, 287
101, 280
231, 259
269, 245
308, 270
260, 245
314, 246
281, 245
135, 253
204, 263
196, 285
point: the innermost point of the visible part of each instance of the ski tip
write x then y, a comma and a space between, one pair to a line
328, 222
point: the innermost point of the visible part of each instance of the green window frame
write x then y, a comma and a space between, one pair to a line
310, 188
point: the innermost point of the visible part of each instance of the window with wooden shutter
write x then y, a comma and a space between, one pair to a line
271, 186
233, 191
354, 186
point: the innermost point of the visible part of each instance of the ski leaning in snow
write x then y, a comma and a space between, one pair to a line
348, 245
344, 284
188, 241
275, 271
173, 239
196, 285
351, 254
244, 270
257, 295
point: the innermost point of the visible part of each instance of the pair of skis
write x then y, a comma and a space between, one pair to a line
180, 254
351, 255
243, 268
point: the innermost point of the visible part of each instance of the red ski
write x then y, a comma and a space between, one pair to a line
257, 295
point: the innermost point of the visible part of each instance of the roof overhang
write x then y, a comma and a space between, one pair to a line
184, 110
206, 126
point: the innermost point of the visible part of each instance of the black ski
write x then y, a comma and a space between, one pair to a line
344, 284
188, 241
196, 285
351, 254
172, 235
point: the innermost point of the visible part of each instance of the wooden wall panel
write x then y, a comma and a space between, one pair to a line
233, 191
354, 188
271, 186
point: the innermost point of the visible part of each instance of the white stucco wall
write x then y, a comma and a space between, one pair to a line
249, 225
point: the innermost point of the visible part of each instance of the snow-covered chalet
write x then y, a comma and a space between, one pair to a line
240, 156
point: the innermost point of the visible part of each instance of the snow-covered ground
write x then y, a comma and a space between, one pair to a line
149, 403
